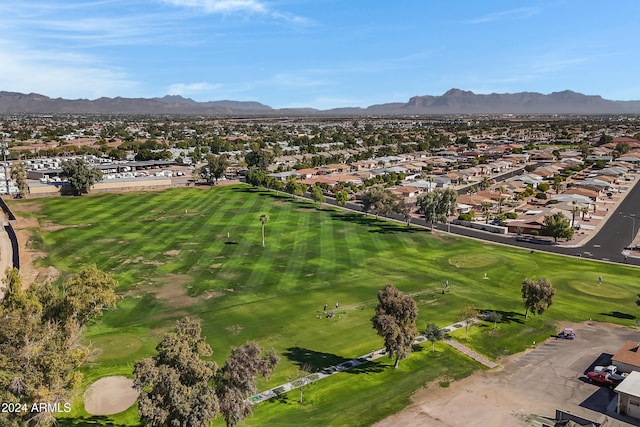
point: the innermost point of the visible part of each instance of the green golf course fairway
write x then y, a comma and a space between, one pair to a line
198, 252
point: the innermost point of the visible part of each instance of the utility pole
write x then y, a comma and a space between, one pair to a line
4, 154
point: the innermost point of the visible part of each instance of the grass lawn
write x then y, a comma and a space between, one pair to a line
198, 252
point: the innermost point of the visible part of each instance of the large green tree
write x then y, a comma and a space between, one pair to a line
88, 294
215, 168
438, 204
404, 208
395, 321
317, 195
41, 348
19, 175
557, 226
294, 187
175, 385
236, 381
342, 197
379, 199
80, 176
259, 158
537, 295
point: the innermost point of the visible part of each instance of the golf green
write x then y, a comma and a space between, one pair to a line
198, 252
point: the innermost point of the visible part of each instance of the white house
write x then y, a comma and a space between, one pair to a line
629, 396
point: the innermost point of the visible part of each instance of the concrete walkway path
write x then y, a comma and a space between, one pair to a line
332, 370
472, 354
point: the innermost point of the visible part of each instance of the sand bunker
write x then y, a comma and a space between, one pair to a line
109, 395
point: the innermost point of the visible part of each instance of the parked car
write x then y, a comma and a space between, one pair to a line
605, 378
612, 369
567, 334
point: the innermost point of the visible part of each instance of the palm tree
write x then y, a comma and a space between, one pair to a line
584, 210
264, 218
486, 209
485, 182
574, 209
470, 192
501, 191
433, 333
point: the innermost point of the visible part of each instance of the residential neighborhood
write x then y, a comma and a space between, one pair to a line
509, 173
552, 185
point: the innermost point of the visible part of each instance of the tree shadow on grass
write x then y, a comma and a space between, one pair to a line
314, 361
355, 218
96, 420
301, 203
619, 315
507, 316
389, 228
371, 367
378, 225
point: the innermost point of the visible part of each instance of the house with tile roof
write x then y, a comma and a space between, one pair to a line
627, 359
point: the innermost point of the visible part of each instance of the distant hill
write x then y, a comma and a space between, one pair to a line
454, 101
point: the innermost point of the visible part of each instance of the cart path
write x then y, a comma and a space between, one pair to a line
472, 354
332, 370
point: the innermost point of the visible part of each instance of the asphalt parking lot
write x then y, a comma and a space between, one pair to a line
553, 373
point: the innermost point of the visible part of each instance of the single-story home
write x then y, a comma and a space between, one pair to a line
627, 359
629, 396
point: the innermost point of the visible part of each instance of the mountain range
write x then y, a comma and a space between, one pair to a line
453, 102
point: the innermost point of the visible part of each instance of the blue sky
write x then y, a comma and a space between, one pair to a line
318, 53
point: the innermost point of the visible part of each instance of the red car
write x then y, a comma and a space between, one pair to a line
605, 378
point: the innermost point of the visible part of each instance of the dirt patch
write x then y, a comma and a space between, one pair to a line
28, 255
50, 226
172, 252
212, 294
135, 260
234, 329
110, 395
172, 294
26, 207
536, 382
108, 240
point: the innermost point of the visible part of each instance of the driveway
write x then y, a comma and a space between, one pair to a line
550, 376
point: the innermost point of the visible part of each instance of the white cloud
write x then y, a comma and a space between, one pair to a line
222, 6
522, 12
238, 6
185, 89
59, 74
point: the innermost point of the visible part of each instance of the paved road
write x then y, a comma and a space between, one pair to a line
607, 245
497, 178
